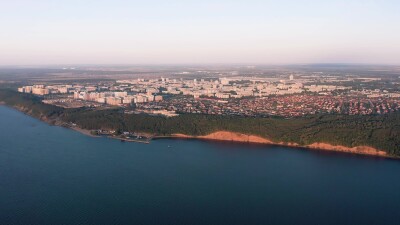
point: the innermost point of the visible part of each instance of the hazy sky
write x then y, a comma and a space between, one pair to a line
201, 31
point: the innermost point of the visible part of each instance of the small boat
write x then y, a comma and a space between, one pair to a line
169, 146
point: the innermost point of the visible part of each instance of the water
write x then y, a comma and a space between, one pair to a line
53, 175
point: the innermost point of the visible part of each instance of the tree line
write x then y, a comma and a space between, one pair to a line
379, 131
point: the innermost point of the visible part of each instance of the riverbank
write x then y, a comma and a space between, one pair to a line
130, 140
229, 137
243, 138
90, 134
83, 131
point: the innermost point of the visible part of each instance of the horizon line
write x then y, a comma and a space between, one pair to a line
190, 64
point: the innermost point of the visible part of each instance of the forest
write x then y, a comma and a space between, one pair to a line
379, 131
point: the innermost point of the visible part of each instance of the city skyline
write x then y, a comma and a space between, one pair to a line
257, 32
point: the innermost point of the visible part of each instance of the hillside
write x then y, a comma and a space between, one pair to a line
378, 131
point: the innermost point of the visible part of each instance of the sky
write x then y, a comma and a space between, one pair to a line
44, 32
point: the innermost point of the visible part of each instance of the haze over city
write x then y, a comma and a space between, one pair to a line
48, 32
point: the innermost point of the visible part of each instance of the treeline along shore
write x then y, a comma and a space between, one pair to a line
361, 134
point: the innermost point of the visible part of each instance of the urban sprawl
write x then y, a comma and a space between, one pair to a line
295, 95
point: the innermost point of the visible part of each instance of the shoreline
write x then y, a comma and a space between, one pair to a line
228, 136
252, 139
82, 131
129, 140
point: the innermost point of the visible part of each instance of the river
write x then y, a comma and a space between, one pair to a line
54, 175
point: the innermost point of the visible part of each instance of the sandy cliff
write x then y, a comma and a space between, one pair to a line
237, 137
230, 136
365, 150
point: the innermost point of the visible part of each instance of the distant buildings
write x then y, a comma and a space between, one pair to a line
35, 89
239, 95
45, 90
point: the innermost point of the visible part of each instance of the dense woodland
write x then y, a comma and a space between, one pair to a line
379, 131
29, 104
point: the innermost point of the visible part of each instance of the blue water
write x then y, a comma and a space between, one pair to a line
53, 175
